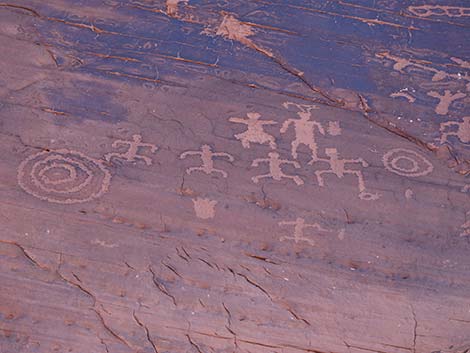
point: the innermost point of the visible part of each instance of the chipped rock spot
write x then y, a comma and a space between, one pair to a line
204, 208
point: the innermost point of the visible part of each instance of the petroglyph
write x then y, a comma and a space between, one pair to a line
172, 7
63, 176
334, 128
255, 132
462, 131
204, 208
439, 10
233, 29
275, 170
207, 157
299, 227
420, 65
104, 244
445, 100
403, 94
409, 194
338, 168
304, 129
466, 226
131, 155
465, 188
406, 163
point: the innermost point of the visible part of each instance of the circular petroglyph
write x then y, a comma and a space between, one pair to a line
407, 163
63, 176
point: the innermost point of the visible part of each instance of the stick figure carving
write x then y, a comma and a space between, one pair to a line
338, 168
299, 226
445, 100
131, 155
275, 170
207, 156
304, 129
255, 132
463, 130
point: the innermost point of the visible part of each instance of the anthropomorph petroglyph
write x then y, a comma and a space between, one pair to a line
445, 100
204, 208
299, 226
304, 129
460, 129
63, 176
132, 153
275, 170
406, 162
255, 132
439, 10
207, 158
338, 168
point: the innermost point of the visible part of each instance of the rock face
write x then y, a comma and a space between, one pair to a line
238, 176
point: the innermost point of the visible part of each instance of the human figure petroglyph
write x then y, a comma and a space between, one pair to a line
445, 100
131, 155
462, 132
299, 227
255, 132
275, 170
63, 176
207, 158
338, 168
304, 129
406, 162
439, 10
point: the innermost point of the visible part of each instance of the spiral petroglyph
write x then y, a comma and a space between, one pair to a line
407, 163
63, 176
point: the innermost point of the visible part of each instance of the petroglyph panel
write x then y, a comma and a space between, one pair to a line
406, 162
63, 176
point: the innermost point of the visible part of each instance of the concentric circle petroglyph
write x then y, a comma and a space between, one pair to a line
407, 163
63, 176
